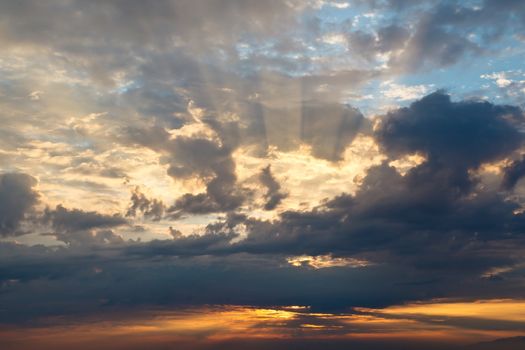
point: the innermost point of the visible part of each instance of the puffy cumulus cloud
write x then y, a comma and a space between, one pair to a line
454, 137
460, 134
17, 198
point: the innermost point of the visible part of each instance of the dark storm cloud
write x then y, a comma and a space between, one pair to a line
17, 198
460, 134
93, 280
41, 282
273, 194
455, 137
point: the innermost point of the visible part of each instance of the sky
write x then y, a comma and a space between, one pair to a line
246, 174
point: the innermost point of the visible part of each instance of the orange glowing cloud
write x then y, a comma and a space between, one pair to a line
435, 322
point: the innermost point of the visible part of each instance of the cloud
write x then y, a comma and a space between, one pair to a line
389, 39
198, 156
76, 219
78, 227
510, 84
88, 237
431, 44
175, 233
434, 34
458, 134
214, 164
145, 25
187, 280
273, 194
150, 208
402, 92
17, 198
513, 173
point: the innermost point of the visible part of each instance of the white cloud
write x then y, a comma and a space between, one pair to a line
339, 5
500, 78
402, 92
334, 39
